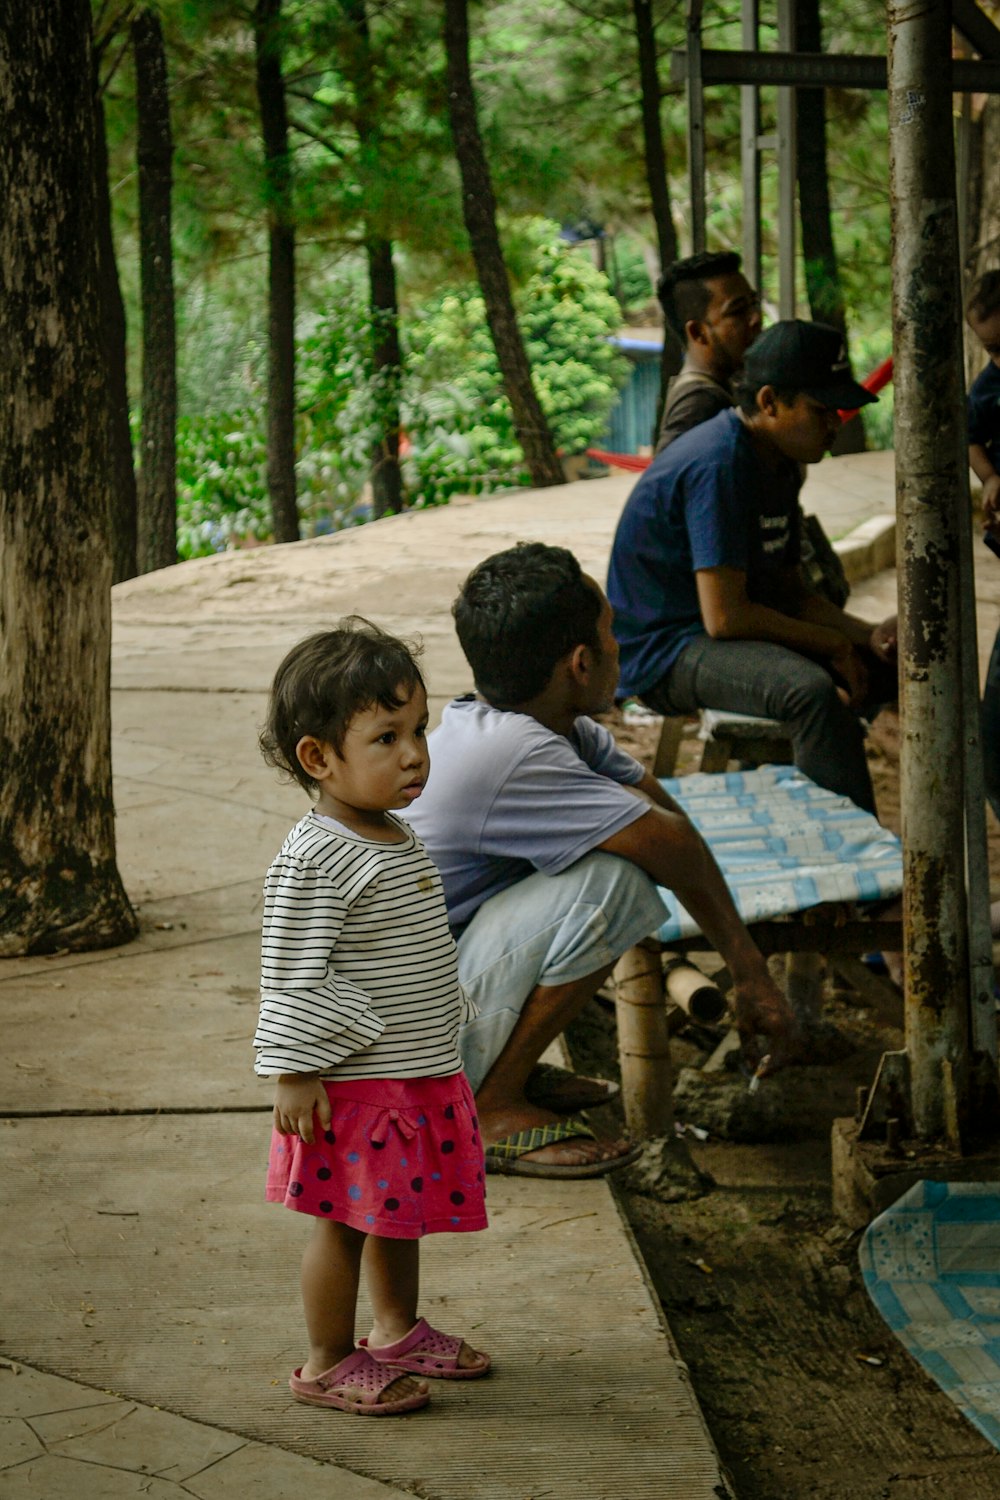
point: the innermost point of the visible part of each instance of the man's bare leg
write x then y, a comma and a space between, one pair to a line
501, 1104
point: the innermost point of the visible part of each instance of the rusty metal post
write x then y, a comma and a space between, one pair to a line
643, 1043
931, 503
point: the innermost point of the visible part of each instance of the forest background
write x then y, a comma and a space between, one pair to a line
304, 332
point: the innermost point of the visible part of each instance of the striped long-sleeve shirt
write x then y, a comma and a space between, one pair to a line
358, 968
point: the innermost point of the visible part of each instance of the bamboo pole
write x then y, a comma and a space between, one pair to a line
643, 1043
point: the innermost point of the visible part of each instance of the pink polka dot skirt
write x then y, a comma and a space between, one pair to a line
401, 1158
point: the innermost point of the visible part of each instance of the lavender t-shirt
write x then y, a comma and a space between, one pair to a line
507, 796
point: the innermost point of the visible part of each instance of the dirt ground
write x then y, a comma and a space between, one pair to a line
761, 1285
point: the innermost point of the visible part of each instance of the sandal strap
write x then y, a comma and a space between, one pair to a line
522, 1141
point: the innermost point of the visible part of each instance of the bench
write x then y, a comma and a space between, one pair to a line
803, 865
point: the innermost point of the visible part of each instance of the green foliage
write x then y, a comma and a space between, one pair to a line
558, 98
868, 353
221, 481
458, 417
459, 428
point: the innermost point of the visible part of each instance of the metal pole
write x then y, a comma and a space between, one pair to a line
787, 154
750, 151
696, 125
931, 502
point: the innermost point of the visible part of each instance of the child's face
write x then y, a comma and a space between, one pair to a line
987, 331
383, 764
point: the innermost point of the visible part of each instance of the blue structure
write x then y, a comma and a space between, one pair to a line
630, 428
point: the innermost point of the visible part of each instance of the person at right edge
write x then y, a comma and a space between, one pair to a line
983, 316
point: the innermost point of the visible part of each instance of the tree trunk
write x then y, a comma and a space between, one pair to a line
123, 487
659, 188
479, 210
158, 481
386, 476
280, 275
59, 882
826, 302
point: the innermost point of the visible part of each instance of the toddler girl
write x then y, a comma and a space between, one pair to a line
375, 1130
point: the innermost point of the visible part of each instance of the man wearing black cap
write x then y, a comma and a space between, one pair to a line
709, 603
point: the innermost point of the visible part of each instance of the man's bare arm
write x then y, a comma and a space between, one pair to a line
654, 791
671, 850
728, 613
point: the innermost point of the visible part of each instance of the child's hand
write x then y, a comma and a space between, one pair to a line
297, 1097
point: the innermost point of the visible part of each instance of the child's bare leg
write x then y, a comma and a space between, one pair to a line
331, 1268
392, 1272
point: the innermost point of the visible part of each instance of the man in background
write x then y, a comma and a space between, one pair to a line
715, 313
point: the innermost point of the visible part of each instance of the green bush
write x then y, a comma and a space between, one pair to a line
458, 417
459, 430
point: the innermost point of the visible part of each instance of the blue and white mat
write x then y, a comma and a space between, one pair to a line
783, 844
931, 1264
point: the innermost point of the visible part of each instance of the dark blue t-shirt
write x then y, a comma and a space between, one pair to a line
984, 412
706, 501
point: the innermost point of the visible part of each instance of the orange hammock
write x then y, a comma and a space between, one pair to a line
635, 462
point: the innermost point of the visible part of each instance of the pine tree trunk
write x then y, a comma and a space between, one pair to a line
123, 486
659, 188
158, 480
479, 210
280, 276
385, 474
386, 477
59, 882
819, 254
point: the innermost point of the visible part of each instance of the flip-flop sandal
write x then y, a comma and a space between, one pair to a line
564, 1092
426, 1351
506, 1157
359, 1371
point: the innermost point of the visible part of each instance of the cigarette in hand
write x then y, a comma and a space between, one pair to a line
761, 1069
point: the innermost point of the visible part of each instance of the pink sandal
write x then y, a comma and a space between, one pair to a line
425, 1351
362, 1372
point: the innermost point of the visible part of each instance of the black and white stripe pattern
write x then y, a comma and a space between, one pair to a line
358, 966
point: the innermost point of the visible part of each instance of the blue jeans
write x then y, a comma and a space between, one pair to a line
772, 682
991, 729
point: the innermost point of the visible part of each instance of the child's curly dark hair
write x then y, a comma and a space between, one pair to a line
329, 678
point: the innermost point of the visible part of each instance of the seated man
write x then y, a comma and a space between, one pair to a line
550, 860
709, 604
715, 313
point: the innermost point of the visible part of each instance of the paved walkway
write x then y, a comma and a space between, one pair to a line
151, 1304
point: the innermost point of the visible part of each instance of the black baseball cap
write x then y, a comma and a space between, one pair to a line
807, 358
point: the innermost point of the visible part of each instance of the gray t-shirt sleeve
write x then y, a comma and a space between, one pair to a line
563, 800
599, 750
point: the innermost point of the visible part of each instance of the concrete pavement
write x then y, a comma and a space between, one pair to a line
151, 1307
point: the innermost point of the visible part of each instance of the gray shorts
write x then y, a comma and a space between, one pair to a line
547, 930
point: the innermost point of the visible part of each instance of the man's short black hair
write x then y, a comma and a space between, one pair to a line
984, 299
518, 614
745, 394
326, 680
681, 289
